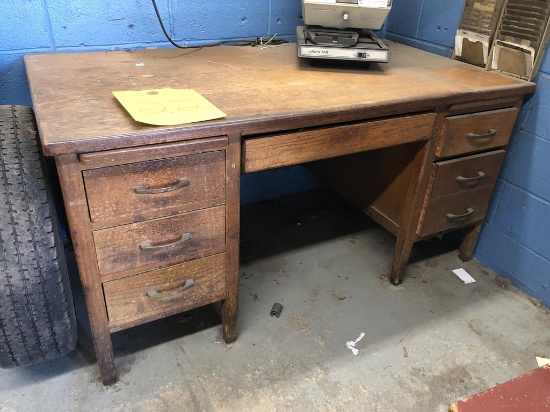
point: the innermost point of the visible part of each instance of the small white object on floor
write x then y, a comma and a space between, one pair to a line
542, 361
464, 276
351, 344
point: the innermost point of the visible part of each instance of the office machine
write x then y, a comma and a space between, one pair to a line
342, 30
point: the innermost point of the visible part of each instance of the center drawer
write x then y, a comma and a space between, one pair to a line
268, 152
154, 243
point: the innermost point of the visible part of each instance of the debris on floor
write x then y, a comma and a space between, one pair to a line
464, 276
351, 344
542, 361
276, 310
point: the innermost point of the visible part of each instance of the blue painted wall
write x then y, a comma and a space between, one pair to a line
43, 26
515, 241
426, 24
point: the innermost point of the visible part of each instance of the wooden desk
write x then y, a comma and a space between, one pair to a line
154, 211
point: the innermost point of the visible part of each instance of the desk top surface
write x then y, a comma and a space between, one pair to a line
260, 89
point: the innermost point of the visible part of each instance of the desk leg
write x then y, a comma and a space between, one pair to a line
76, 208
229, 319
401, 256
230, 305
469, 243
414, 198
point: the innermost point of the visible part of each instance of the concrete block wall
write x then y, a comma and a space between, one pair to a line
515, 240
42, 26
425, 24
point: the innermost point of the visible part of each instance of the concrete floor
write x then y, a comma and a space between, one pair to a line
428, 343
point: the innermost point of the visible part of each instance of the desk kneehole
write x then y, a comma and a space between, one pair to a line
272, 151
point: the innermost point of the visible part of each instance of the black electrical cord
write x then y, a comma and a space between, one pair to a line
272, 40
164, 29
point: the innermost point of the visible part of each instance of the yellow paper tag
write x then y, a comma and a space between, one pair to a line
167, 107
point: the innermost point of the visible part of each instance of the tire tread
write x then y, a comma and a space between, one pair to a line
37, 320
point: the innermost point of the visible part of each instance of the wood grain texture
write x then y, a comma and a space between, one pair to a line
230, 305
447, 173
454, 135
118, 248
111, 190
413, 201
376, 181
481, 106
468, 244
128, 303
269, 152
149, 152
436, 220
74, 197
261, 90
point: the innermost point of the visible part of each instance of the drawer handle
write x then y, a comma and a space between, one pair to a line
452, 216
141, 190
149, 246
152, 293
462, 179
492, 133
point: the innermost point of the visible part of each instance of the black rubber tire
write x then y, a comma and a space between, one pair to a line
37, 318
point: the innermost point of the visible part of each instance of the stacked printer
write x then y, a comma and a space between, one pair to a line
343, 30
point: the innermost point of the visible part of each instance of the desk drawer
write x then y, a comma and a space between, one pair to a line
141, 187
475, 132
158, 293
154, 243
466, 173
454, 211
267, 152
